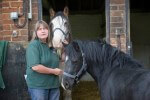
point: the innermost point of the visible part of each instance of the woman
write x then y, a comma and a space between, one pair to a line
42, 65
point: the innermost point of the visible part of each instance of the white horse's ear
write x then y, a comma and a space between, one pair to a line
65, 44
66, 11
51, 12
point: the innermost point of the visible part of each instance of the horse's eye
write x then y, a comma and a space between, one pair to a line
65, 23
51, 25
75, 61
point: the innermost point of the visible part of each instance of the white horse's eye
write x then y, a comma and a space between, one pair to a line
65, 24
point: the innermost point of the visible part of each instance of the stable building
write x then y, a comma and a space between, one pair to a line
122, 23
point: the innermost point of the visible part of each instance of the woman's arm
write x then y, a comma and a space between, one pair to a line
46, 70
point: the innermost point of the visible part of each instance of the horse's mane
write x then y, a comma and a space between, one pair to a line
103, 53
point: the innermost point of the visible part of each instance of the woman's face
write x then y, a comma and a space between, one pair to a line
42, 33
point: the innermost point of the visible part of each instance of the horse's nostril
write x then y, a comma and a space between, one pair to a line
66, 85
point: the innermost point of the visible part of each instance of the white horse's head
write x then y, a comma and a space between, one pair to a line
60, 28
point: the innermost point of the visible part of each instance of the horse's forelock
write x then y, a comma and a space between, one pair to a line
70, 51
59, 14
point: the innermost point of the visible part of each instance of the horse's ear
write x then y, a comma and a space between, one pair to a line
65, 44
66, 11
51, 12
76, 46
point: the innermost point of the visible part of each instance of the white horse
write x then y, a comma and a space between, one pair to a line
60, 28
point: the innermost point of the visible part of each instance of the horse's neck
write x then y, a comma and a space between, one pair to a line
95, 72
97, 65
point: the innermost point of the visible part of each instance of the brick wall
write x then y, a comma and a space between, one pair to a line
117, 24
7, 26
1, 20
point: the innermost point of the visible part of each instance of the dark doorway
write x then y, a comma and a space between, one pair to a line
140, 31
87, 17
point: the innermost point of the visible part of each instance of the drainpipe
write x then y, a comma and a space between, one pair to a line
127, 31
40, 10
107, 16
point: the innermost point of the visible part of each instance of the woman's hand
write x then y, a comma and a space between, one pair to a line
58, 71
45, 70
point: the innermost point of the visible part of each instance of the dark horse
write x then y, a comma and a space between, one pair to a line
118, 76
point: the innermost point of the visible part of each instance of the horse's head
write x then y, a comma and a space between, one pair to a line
60, 27
75, 65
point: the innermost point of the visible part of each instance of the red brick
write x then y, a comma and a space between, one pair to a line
1, 38
7, 22
10, 0
24, 32
16, 4
113, 7
116, 13
8, 38
0, 5
1, 27
8, 10
34, 1
117, 1
1, 34
0, 16
116, 24
34, 5
20, 38
35, 16
14, 27
7, 27
116, 19
35, 11
20, 11
7, 32
5, 16
5, 4
121, 7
